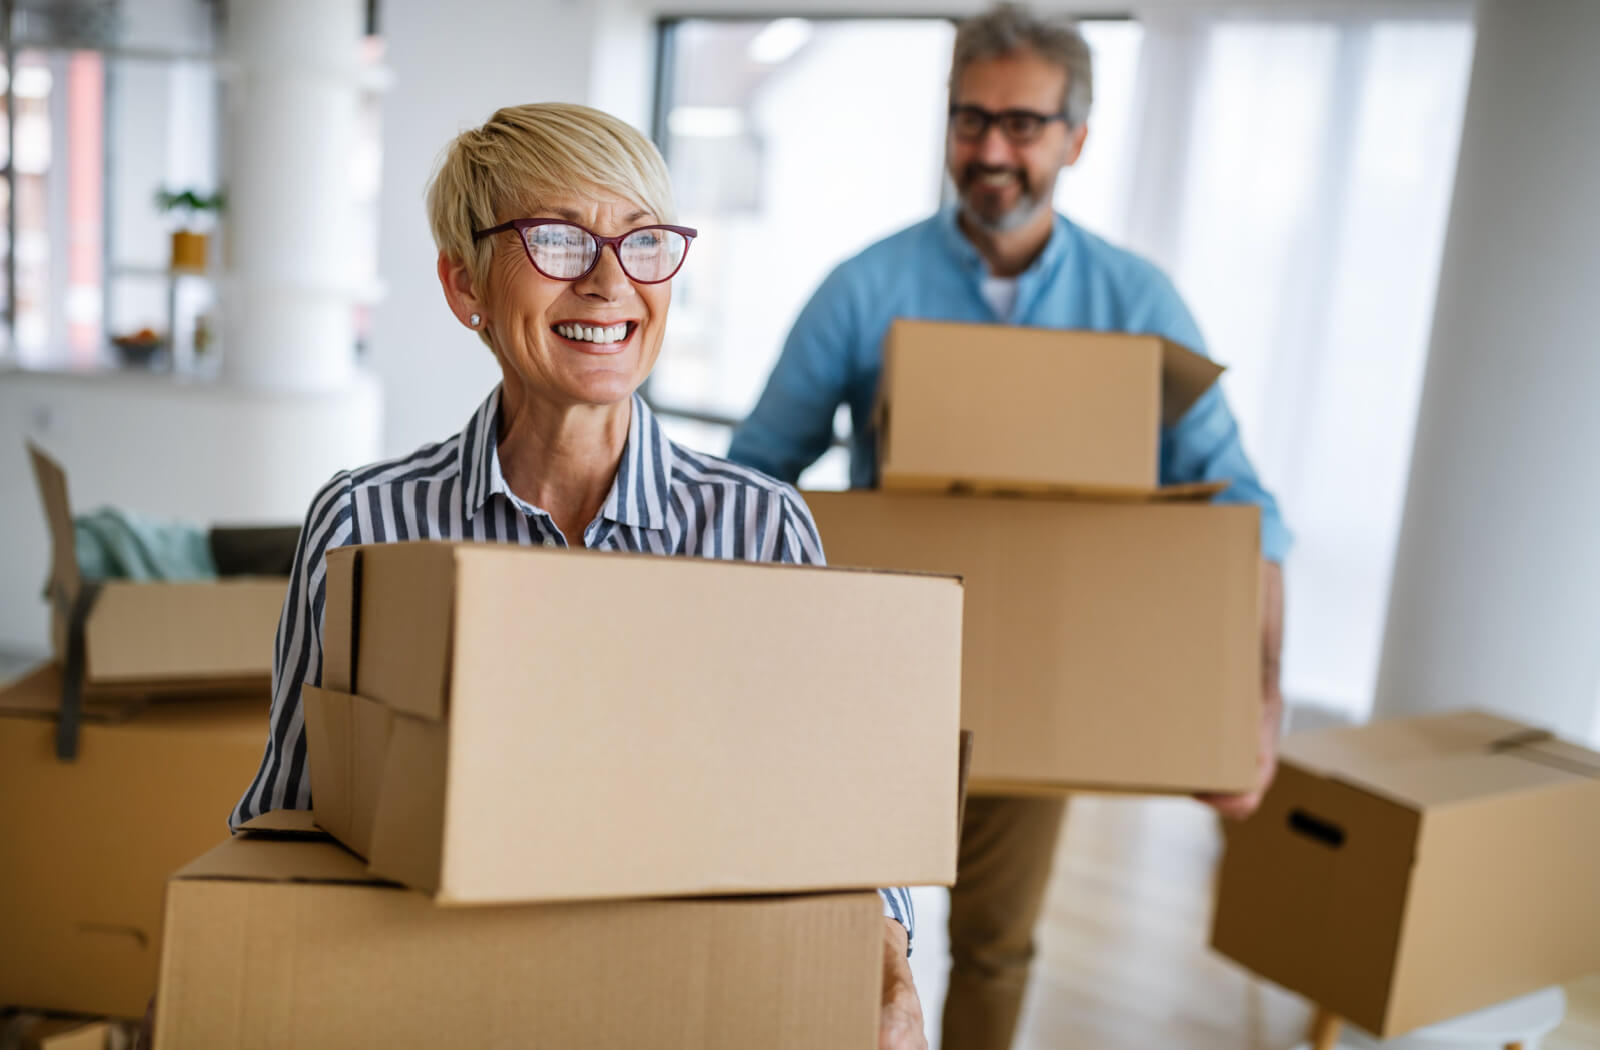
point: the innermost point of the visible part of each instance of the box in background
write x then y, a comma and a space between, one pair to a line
156, 637
1410, 871
86, 846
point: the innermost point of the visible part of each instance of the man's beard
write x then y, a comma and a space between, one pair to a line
1015, 217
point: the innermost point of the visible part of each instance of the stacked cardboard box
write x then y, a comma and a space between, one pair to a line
118, 762
154, 637
86, 845
1410, 871
1112, 625
561, 740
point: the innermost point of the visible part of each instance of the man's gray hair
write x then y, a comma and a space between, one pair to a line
1008, 28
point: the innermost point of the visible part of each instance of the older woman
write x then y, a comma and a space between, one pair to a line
556, 245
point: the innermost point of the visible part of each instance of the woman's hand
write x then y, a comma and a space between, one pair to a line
900, 1022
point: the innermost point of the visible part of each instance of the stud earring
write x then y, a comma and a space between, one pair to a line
475, 320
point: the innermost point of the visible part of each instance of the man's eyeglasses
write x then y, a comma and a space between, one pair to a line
1019, 126
565, 251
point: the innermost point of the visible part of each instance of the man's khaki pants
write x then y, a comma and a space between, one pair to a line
1002, 872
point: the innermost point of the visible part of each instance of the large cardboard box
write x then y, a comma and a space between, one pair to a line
152, 637
509, 724
1409, 871
1107, 645
86, 846
279, 939
995, 408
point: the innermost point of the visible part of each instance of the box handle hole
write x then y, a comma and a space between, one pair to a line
1325, 832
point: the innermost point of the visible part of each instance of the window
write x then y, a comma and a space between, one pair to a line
1313, 191
113, 103
108, 107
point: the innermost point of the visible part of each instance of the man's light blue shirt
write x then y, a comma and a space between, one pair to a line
931, 271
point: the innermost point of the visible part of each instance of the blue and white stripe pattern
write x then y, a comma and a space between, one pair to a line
665, 499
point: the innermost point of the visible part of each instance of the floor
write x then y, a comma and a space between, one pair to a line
1123, 962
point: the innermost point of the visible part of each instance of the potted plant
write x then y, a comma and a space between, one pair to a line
189, 246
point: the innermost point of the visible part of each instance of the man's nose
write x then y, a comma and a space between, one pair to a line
994, 149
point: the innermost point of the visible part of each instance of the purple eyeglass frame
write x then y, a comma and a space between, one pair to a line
688, 234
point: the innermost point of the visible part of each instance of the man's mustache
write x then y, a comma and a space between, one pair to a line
973, 172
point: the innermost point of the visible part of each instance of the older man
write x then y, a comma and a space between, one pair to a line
1020, 89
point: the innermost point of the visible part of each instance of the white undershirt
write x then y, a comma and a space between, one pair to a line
1001, 295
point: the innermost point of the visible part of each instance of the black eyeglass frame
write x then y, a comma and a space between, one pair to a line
991, 118
688, 234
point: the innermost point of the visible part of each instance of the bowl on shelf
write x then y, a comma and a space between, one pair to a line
139, 349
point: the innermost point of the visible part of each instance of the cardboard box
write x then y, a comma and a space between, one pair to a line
277, 939
86, 846
509, 724
1107, 645
996, 408
153, 637
1410, 871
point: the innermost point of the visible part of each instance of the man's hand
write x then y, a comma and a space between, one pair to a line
900, 1023
1237, 807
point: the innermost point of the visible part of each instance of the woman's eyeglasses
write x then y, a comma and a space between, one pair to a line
565, 251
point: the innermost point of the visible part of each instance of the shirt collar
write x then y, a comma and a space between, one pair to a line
479, 454
1055, 249
642, 488
639, 492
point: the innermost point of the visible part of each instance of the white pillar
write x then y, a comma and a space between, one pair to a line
292, 75
1495, 601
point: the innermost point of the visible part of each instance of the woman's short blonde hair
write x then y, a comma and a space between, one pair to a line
527, 155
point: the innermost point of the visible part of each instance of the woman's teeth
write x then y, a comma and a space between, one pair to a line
584, 333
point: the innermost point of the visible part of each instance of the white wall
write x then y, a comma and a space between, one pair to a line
1496, 595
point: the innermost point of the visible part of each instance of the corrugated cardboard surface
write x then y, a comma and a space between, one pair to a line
160, 637
273, 944
1106, 645
1411, 871
86, 846
987, 406
573, 725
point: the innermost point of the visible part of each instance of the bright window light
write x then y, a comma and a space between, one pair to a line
779, 40
706, 122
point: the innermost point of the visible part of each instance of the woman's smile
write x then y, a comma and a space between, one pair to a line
596, 337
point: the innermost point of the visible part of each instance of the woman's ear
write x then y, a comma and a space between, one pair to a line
460, 293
